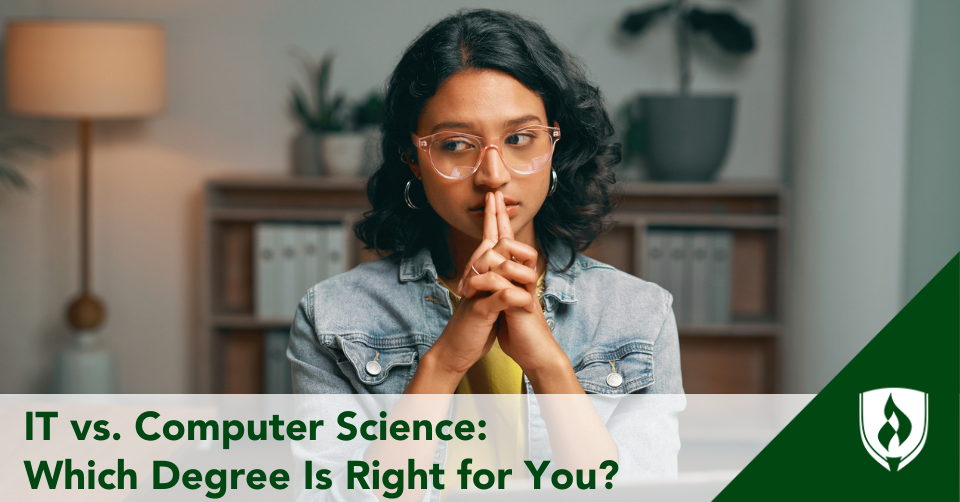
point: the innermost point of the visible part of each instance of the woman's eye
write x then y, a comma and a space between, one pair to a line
520, 139
455, 145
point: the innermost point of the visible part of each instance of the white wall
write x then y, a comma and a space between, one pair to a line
933, 173
847, 162
229, 75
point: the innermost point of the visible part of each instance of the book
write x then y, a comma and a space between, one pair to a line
276, 366
313, 246
236, 284
676, 272
289, 270
242, 362
653, 257
700, 293
266, 273
336, 250
721, 266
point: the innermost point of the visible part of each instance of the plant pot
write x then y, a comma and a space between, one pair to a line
338, 154
341, 153
306, 154
687, 136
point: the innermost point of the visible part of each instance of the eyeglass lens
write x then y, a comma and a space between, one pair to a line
525, 151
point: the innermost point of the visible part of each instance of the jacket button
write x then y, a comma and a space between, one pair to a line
438, 456
614, 380
551, 324
373, 368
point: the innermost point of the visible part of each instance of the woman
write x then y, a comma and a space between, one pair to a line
495, 174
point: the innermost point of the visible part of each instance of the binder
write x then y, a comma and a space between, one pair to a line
276, 366
312, 241
653, 257
676, 271
700, 288
289, 272
266, 274
337, 250
721, 267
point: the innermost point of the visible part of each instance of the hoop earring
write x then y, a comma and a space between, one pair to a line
408, 157
406, 195
553, 182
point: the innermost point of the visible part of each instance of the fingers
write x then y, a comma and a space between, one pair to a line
504, 299
518, 251
485, 246
492, 261
490, 282
503, 220
490, 230
507, 274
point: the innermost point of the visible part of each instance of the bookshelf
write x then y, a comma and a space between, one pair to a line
738, 356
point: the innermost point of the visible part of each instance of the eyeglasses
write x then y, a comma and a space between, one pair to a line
457, 155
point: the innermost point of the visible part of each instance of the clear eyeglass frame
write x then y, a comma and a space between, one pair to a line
424, 143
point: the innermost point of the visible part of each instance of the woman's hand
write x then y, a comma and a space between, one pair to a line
505, 269
470, 332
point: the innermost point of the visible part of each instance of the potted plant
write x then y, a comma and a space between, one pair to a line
328, 144
687, 136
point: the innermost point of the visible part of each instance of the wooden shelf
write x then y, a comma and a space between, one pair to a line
732, 330
703, 220
720, 188
243, 321
282, 214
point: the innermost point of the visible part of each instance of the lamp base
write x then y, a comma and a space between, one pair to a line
85, 368
86, 312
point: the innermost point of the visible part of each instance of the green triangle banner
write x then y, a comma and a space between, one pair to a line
887, 427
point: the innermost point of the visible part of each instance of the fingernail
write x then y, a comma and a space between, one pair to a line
500, 196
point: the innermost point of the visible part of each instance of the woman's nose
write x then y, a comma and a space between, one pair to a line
492, 172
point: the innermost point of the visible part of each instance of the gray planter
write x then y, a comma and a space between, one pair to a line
306, 154
339, 154
687, 136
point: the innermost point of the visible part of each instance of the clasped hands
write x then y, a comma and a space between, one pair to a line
500, 282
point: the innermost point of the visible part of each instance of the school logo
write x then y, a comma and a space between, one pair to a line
893, 425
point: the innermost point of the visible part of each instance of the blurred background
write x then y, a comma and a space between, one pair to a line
834, 179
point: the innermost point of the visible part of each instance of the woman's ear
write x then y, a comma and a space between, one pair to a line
409, 157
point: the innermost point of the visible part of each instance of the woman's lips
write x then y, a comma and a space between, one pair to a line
511, 211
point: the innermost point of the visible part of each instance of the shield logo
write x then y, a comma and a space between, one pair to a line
893, 425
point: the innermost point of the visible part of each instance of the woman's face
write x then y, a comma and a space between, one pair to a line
484, 103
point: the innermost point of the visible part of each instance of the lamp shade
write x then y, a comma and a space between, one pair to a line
84, 69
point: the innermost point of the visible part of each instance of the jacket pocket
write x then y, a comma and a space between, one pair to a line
626, 369
382, 365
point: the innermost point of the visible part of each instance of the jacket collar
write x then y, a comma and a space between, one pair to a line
561, 288
417, 266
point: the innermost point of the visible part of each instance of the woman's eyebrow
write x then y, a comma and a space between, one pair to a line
522, 120
468, 125
450, 125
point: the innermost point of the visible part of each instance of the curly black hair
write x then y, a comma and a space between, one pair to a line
487, 39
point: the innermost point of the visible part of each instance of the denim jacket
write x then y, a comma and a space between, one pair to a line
364, 331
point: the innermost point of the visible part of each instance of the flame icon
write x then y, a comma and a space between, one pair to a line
901, 430
894, 432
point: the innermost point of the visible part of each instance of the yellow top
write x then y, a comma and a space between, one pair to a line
505, 443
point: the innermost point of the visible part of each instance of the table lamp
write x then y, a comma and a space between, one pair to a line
84, 71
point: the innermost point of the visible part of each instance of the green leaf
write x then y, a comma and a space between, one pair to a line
9, 176
323, 85
299, 106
